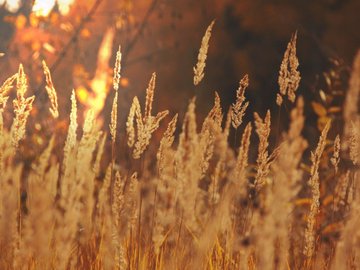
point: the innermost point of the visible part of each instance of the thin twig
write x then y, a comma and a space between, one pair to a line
142, 26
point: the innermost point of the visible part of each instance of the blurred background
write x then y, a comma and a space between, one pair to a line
78, 39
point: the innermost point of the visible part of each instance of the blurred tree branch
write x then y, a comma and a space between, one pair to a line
142, 26
75, 35
72, 40
39, 93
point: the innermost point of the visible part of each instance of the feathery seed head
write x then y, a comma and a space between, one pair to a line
289, 76
117, 69
239, 107
50, 89
113, 123
200, 66
150, 95
22, 108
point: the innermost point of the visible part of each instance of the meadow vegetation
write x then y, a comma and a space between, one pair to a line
191, 200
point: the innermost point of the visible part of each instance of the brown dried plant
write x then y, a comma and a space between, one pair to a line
22, 108
211, 125
194, 202
165, 143
341, 191
263, 160
243, 157
239, 107
351, 109
116, 83
68, 164
346, 255
354, 142
99, 155
113, 121
145, 125
50, 89
201, 63
287, 182
335, 160
117, 70
4, 90
314, 183
289, 76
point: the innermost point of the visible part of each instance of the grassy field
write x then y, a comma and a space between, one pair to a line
191, 200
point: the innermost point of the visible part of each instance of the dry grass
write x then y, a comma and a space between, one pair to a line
289, 76
201, 63
195, 202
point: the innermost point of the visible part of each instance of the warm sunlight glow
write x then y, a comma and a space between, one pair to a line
94, 97
99, 84
43, 7
64, 6
11, 5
